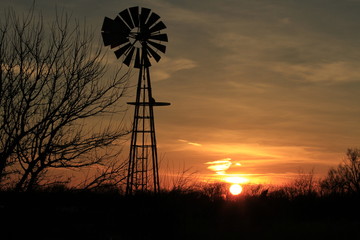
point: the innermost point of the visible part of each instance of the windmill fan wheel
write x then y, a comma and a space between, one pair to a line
135, 32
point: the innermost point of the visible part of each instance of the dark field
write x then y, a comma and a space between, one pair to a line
175, 215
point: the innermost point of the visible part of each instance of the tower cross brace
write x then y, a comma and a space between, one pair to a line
143, 168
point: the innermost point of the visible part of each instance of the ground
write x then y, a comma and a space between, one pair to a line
174, 215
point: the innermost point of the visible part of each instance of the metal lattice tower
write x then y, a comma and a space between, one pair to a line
135, 32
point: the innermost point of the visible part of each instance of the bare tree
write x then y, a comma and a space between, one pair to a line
304, 184
52, 85
345, 178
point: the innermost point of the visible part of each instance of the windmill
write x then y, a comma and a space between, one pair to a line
136, 36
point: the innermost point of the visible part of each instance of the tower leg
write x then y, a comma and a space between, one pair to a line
156, 179
143, 169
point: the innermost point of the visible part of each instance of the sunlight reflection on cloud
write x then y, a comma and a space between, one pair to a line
220, 166
190, 143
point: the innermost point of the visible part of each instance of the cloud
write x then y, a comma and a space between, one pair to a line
170, 66
190, 143
220, 166
332, 72
281, 57
180, 13
285, 20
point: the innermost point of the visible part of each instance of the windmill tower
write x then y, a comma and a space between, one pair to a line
135, 35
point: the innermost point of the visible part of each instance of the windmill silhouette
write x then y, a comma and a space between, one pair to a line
136, 36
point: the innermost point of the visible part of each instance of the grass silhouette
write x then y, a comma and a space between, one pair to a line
75, 214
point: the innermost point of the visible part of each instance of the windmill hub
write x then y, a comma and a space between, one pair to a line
142, 36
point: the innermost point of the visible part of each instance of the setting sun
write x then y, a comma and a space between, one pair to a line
235, 189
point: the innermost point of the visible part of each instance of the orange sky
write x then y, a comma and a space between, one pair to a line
273, 87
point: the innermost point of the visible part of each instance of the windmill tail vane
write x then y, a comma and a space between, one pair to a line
135, 35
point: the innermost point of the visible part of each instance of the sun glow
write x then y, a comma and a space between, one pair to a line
236, 179
235, 189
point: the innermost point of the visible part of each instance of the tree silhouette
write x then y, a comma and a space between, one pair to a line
52, 84
345, 178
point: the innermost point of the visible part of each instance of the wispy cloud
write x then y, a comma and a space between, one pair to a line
338, 71
220, 166
190, 143
169, 66
175, 12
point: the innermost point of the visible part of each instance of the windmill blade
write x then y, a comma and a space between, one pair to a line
154, 54
115, 32
113, 40
161, 37
117, 40
157, 27
137, 63
107, 24
122, 50
129, 56
120, 27
107, 38
126, 16
144, 16
152, 19
134, 11
158, 46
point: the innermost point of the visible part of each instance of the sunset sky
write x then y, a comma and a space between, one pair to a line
260, 89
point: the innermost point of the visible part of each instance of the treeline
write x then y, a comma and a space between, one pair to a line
343, 180
174, 214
